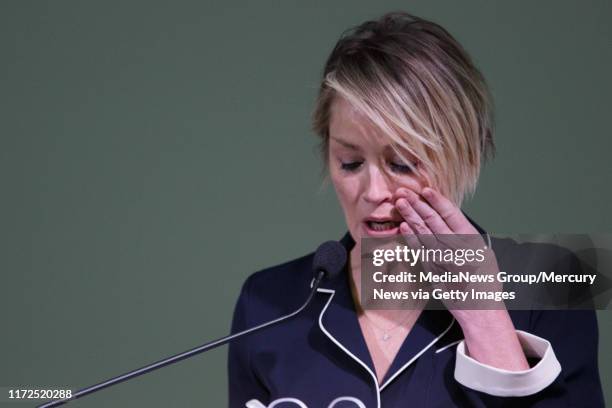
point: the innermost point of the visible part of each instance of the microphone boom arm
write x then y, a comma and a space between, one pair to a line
186, 354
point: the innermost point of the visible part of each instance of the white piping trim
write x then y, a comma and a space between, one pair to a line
333, 293
283, 400
323, 290
449, 345
354, 400
254, 404
402, 368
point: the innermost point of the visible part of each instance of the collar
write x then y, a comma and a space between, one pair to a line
338, 320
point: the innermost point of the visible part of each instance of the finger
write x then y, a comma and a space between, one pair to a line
431, 217
403, 192
413, 218
409, 235
412, 241
450, 213
405, 229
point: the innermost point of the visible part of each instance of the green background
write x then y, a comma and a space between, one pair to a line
154, 154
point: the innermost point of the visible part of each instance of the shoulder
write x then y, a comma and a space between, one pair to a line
533, 257
509, 249
560, 312
286, 275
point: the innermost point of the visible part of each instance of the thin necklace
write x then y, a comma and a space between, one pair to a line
387, 332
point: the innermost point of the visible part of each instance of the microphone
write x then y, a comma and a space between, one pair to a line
328, 262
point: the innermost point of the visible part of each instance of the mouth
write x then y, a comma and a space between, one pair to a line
387, 227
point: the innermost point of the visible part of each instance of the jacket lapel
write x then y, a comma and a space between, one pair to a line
429, 328
338, 320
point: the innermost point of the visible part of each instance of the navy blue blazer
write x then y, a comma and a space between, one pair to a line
320, 358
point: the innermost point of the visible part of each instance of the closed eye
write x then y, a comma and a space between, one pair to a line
400, 168
350, 166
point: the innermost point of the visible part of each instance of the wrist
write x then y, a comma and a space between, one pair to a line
478, 322
490, 338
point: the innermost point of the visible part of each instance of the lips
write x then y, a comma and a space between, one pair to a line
381, 226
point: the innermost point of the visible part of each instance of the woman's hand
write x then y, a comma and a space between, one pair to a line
437, 224
490, 336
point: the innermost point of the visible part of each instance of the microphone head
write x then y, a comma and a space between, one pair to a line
330, 258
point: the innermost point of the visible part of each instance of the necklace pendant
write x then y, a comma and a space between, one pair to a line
386, 336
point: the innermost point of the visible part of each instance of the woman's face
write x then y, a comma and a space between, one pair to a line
366, 173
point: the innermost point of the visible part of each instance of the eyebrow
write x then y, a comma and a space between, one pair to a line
345, 143
351, 145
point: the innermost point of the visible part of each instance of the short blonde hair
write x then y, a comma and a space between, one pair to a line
417, 84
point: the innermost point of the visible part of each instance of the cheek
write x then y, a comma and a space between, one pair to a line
413, 184
415, 181
347, 190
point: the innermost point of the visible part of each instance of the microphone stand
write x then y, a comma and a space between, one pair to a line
186, 354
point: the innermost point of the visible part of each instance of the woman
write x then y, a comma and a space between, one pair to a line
405, 121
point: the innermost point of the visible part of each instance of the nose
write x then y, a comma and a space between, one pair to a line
377, 189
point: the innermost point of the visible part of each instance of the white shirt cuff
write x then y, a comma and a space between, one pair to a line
505, 383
